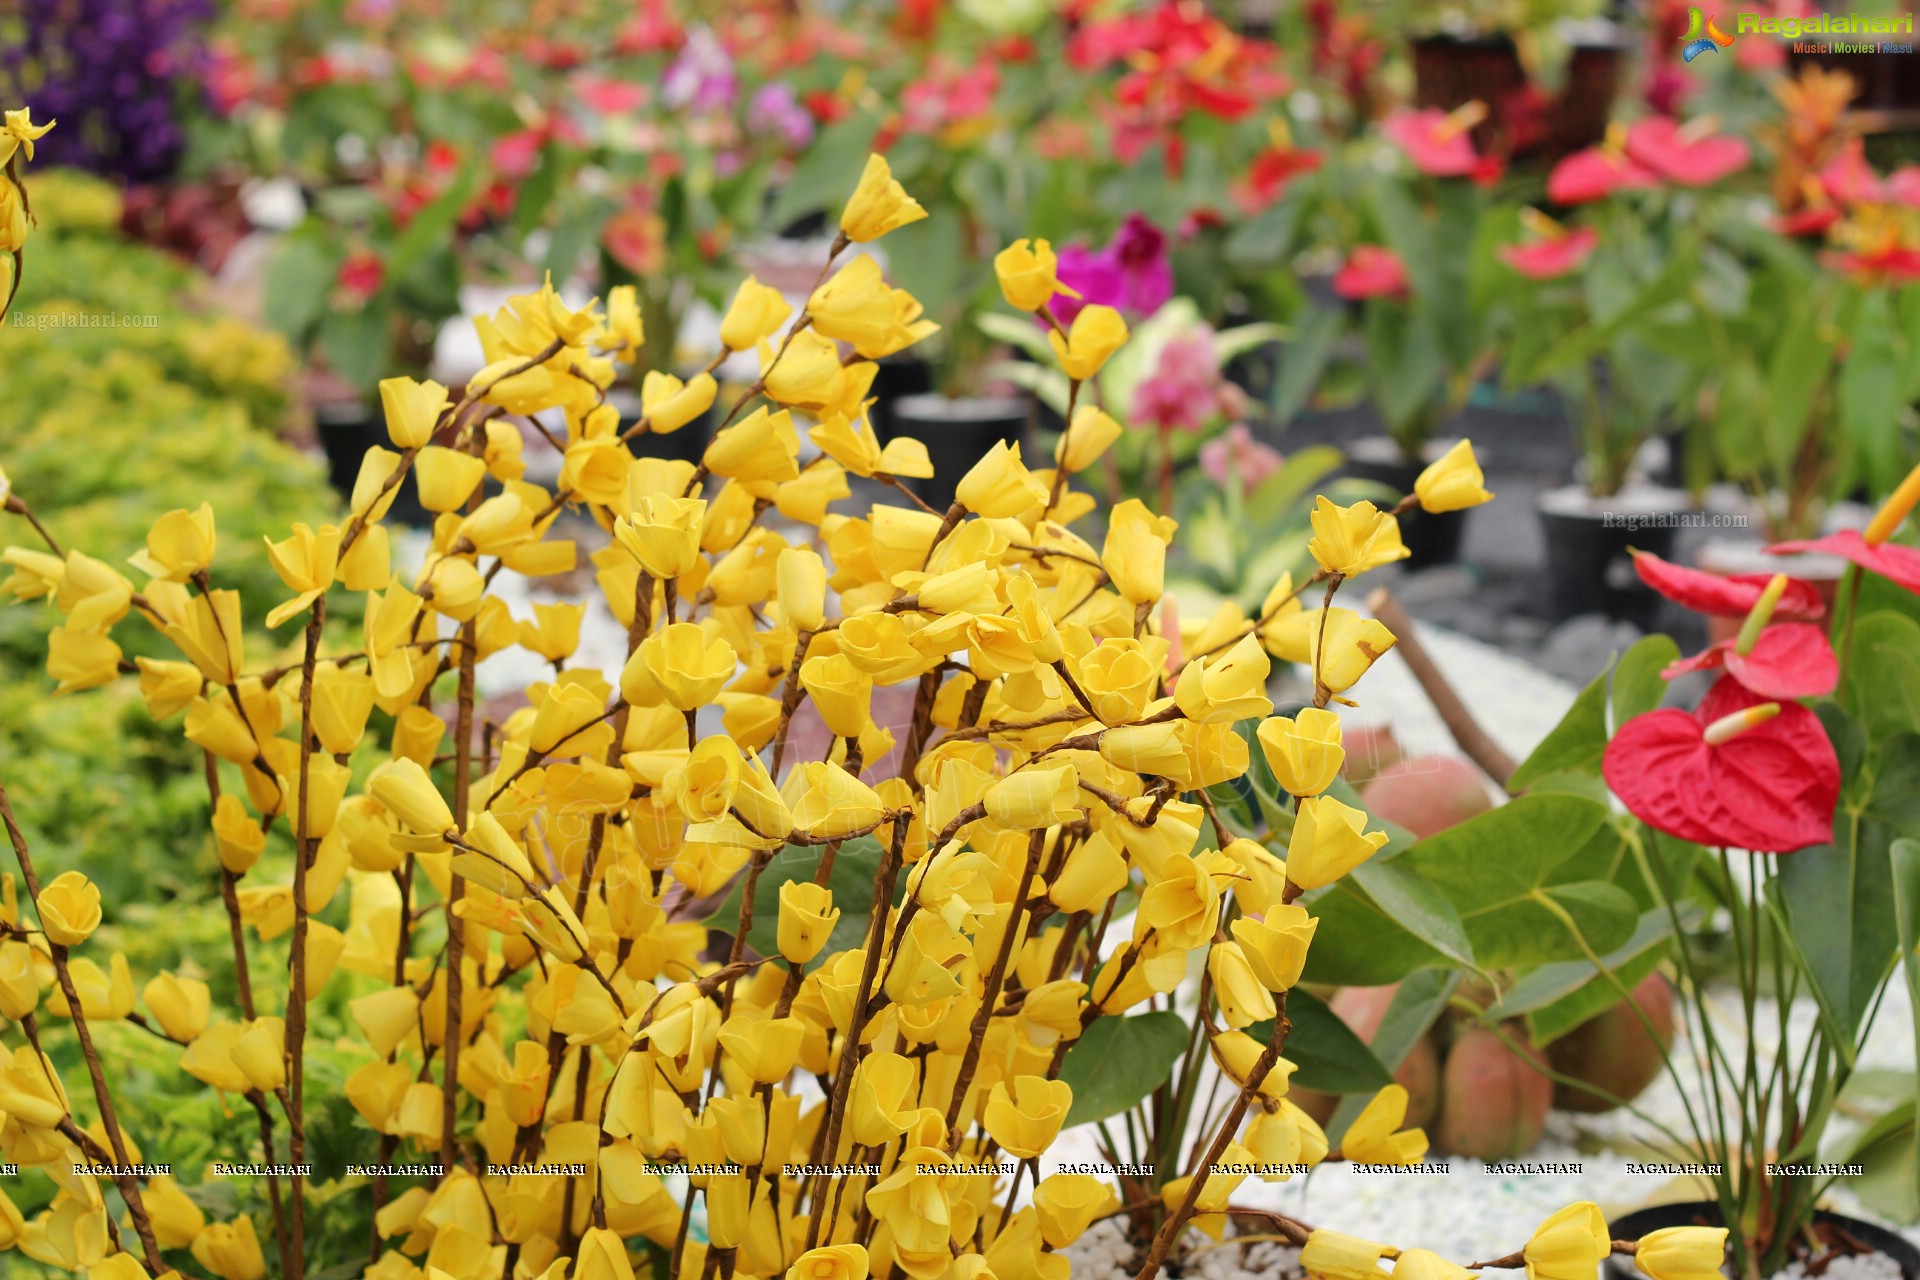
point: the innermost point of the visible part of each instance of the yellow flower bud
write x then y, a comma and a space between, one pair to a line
1096, 333
374, 488
762, 447
878, 204
1181, 906
1569, 1245
1032, 799
834, 1262
835, 804
81, 659
1333, 1256
807, 917
231, 1250
1276, 947
1244, 998
1329, 839
1305, 752
260, 1053
1682, 1253
1068, 1203
166, 687
594, 469
179, 545
1228, 687
69, 909
1352, 540
1026, 1119
1089, 434
841, 692
177, 1220
19, 980
766, 1048
663, 534
1093, 873
1453, 482
679, 666
404, 788
999, 485
387, 1017
412, 410
669, 404
181, 1006
755, 315
1375, 1136
1135, 554
237, 837
1027, 272
801, 583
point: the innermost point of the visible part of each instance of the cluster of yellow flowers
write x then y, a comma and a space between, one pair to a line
18, 133
568, 1044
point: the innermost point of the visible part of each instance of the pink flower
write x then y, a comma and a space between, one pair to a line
1551, 257
1892, 264
1371, 271
1239, 459
1437, 141
1849, 179
1903, 185
361, 274
1183, 391
1684, 153
1595, 174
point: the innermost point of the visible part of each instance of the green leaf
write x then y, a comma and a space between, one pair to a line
1419, 906
1303, 361
1800, 364
1631, 686
1016, 331
298, 281
1559, 997
1118, 1061
1890, 1150
1906, 911
856, 868
1326, 1053
356, 343
1882, 684
1498, 871
1637, 685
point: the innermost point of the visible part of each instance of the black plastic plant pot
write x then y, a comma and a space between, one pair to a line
898, 377
956, 432
1839, 1231
1431, 539
347, 429
1589, 564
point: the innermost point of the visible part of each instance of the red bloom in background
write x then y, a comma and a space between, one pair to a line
1371, 271
1897, 564
1271, 172
1903, 186
1810, 220
1740, 771
1886, 264
1684, 153
361, 275
1595, 174
1552, 256
1849, 179
1726, 596
1439, 143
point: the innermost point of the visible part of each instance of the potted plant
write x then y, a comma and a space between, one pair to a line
1814, 861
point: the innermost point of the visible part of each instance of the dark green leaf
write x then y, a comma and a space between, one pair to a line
1326, 1053
1118, 1061
856, 868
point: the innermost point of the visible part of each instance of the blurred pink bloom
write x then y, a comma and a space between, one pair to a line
1684, 154
1849, 179
1551, 257
1371, 271
1595, 174
1237, 458
1183, 391
1436, 141
1903, 185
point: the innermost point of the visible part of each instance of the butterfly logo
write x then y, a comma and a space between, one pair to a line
1703, 35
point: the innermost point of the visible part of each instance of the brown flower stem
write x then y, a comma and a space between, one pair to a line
18, 506
109, 1119
1454, 712
850, 1048
1060, 451
789, 700
296, 1022
1518, 1258
996, 978
1321, 693
456, 929
1230, 1125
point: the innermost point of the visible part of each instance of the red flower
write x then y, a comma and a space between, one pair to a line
1594, 174
1553, 256
1731, 773
1271, 172
1731, 596
1683, 154
1438, 142
1808, 221
360, 276
1788, 660
1371, 271
1890, 264
1897, 564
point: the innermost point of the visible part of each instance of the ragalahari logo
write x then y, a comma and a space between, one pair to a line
1702, 35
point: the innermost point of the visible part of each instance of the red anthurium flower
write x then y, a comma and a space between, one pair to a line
1438, 142
1787, 660
1807, 221
1739, 771
1888, 264
1553, 256
1687, 154
1371, 271
1725, 597
1869, 548
1595, 174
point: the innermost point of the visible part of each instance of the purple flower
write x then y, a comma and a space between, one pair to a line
776, 109
1132, 273
702, 78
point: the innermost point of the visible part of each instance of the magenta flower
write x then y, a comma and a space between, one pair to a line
1132, 273
1595, 174
1438, 142
1371, 271
1183, 393
1849, 179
